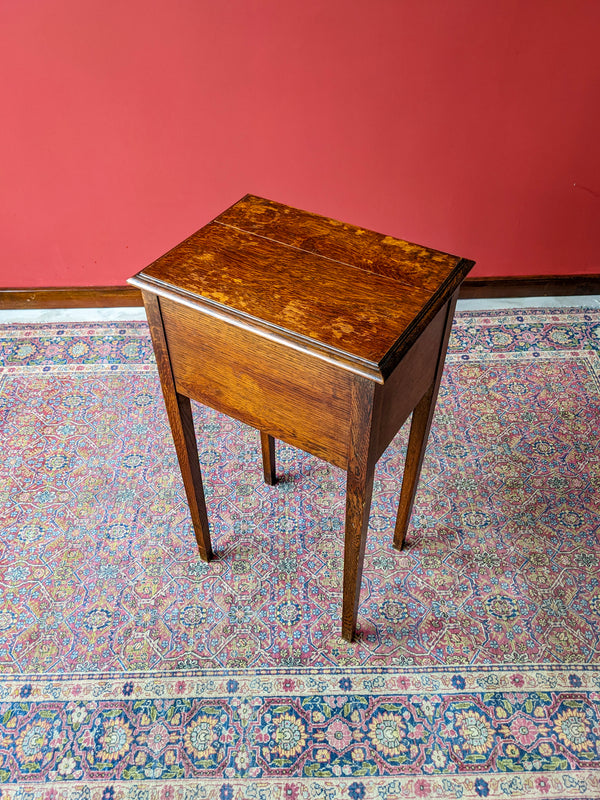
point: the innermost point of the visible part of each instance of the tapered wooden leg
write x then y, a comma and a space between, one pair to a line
187, 453
417, 444
419, 433
267, 444
179, 411
359, 490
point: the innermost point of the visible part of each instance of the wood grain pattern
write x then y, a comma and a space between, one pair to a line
409, 381
326, 291
365, 417
410, 264
267, 444
340, 306
419, 432
182, 427
314, 332
274, 334
294, 397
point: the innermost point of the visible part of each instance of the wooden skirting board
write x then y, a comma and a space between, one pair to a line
530, 286
472, 288
71, 297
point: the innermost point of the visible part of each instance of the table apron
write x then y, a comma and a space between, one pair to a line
297, 398
410, 379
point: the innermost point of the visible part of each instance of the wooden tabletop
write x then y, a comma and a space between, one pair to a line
339, 289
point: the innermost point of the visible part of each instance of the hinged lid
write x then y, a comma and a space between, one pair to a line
358, 297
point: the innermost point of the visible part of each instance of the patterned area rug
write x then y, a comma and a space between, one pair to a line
133, 671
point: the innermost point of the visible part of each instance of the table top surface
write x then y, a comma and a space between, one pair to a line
305, 277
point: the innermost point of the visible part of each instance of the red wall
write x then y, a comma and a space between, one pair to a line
467, 125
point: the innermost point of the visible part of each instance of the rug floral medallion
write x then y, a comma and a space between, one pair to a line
132, 670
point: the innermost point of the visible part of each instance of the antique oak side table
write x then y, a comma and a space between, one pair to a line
321, 334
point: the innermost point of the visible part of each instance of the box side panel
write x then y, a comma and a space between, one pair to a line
293, 396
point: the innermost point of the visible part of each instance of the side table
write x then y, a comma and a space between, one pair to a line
315, 332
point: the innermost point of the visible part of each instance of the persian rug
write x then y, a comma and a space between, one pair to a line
132, 670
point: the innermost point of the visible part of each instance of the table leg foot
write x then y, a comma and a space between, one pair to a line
267, 444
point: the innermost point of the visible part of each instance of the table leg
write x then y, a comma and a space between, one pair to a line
359, 490
419, 433
417, 444
179, 411
267, 444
